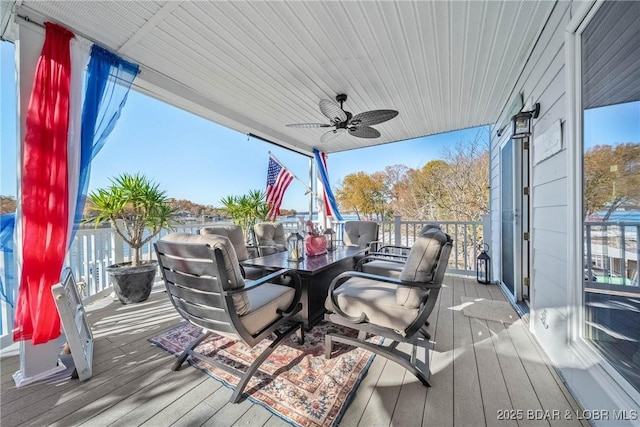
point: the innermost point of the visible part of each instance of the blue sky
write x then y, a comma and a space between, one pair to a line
192, 158
612, 124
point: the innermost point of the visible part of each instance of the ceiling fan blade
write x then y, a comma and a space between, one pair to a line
374, 117
332, 111
364, 132
331, 135
309, 125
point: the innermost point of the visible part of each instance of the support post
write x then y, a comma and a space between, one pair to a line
397, 228
36, 361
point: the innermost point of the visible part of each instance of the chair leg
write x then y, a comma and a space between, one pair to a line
423, 331
244, 379
300, 334
189, 350
328, 346
396, 356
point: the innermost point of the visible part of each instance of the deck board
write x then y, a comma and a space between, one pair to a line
467, 399
438, 409
478, 368
410, 401
381, 404
184, 404
523, 396
364, 392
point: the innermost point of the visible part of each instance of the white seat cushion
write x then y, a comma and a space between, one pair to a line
234, 233
360, 233
383, 268
264, 301
420, 266
377, 300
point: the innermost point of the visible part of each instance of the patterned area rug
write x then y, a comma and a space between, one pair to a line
296, 382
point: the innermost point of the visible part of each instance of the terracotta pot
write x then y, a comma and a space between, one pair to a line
132, 284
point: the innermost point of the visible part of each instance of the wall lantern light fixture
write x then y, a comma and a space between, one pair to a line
522, 122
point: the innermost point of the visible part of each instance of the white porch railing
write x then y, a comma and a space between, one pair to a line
466, 235
611, 255
94, 249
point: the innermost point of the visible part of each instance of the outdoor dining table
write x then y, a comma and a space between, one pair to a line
316, 273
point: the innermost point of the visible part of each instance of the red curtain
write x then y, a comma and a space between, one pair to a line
44, 194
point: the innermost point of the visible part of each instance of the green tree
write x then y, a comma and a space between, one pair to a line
611, 177
7, 204
395, 179
426, 191
466, 181
362, 193
139, 203
246, 210
453, 188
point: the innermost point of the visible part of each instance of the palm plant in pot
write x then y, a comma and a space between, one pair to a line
246, 210
137, 210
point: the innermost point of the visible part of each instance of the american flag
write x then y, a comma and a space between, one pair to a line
278, 179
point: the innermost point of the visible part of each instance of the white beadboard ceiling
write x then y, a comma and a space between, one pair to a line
256, 66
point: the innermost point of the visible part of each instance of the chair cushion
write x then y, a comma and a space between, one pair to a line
271, 234
234, 233
383, 268
377, 300
265, 300
428, 227
360, 233
253, 273
231, 264
420, 266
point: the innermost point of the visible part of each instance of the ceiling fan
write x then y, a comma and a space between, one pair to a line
345, 122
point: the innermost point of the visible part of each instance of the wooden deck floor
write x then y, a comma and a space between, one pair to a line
480, 369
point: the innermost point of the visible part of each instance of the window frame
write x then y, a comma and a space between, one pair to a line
613, 383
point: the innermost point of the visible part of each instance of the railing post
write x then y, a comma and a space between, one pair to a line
118, 244
397, 225
9, 282
623, 257
486, 237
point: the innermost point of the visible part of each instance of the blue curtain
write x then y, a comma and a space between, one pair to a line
109, 79
7, 224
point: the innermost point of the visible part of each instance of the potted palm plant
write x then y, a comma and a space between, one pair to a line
137, 210
246, 210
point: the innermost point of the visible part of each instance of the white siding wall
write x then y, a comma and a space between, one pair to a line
543, 81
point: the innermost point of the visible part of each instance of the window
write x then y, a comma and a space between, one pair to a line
610, 48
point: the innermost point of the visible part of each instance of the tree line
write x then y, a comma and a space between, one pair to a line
611, 178
455, 188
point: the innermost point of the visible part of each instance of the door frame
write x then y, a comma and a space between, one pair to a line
613, 384
521, 214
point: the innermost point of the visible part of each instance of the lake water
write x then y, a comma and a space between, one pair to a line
626, 216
